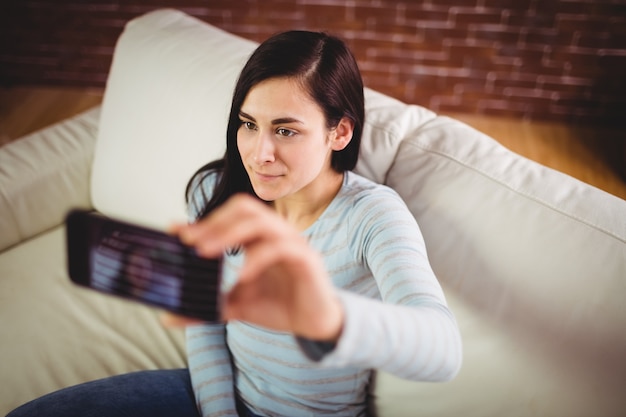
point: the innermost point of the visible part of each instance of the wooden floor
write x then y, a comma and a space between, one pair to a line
595, 156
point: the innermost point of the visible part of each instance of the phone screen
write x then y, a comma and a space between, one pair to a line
142, 264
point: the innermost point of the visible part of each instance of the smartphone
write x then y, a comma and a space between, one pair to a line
142, 264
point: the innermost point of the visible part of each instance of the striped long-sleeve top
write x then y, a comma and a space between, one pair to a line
396, 318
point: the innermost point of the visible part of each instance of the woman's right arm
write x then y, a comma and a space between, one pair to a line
208, 357
211, 370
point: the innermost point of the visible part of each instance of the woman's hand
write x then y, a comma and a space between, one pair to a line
283, 284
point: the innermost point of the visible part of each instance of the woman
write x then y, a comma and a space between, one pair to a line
326, 275
322, 234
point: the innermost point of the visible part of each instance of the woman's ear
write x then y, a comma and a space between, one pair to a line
342, 134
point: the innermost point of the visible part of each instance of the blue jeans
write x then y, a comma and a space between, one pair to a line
163, 393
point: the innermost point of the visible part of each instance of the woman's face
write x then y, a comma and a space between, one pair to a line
283, 140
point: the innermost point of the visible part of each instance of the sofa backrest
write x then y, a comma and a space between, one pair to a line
533, 262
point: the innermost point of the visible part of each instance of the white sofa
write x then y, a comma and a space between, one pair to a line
533, 262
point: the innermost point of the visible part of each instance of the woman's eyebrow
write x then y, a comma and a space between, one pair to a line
281, 120
284, 120
246, 116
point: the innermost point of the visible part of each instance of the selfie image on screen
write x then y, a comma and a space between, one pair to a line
149, 273
151, 267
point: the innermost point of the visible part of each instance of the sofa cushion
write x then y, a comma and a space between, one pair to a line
43, 175
56, 334
164, 114
387, 122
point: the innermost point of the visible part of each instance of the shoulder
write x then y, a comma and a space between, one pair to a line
378, 220
205, 179
200, 190
362, 192
369, 208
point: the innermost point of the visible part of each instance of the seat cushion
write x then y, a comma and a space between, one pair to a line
56, 334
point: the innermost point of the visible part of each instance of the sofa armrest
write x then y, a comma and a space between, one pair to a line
43, 175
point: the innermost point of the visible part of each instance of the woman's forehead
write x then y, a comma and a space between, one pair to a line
280, 99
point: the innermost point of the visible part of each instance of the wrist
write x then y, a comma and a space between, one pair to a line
333, 324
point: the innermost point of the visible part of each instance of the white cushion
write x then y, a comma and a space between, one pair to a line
387, 122
56, 334
164, 114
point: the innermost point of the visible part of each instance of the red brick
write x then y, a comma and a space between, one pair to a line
613, 62
547, 37
524, 19
388, 13
465, 17
507, 4
572, 23
415, 12
455, 3
439, 34
496, 33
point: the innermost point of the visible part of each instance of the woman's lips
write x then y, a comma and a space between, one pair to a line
266, 177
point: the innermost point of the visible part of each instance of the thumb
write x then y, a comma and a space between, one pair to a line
173, 320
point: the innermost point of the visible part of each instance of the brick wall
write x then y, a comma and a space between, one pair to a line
536, 59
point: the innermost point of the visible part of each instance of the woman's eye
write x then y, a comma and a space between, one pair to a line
285, 132
248, 125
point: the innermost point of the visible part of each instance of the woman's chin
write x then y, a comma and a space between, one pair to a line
265, 194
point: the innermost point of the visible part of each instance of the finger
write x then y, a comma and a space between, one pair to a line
174, 320
175, 228
290, 253
242, 220
257, 304
216, 222
211, 241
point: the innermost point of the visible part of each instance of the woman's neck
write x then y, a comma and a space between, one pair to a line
305, 207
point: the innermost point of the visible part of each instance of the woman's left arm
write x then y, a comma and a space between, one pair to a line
421, 343
410, 332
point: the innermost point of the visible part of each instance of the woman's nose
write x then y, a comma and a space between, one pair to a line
264, 149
